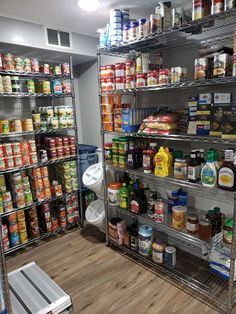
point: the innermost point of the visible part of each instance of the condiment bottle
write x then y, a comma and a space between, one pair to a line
192, 223
153, 147
204, 229
209, 171
211, 217
193, 169
227, 172
219, 219
148, 156
124, 197
135, 201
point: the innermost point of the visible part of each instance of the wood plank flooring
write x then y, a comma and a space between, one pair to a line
100, 280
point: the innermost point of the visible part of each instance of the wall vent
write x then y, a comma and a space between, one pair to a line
58, 38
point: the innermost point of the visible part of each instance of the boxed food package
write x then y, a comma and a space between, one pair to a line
132, 118
216, 120
222, 98
229, 123
203, 128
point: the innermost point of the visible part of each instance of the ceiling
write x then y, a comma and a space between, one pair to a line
67, 15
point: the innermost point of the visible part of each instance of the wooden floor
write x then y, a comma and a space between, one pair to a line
100, 280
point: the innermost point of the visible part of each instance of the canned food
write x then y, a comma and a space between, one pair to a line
54, 222
44, 171
1, 150
4, 126
16, 148
66, 87
46, 182
40, 195
32, 146
43, 157
65, 68
34, 65
72, 150
46, 89
70, 218
52, 153
6, 80
23, 237
6, 245
36, 173
45, 68
15, 126
27, 65
57, 87
47, 192
22, 226
18, 161
33, 158
66, 151
14, 239
28, 199
57, 69
6, 196
9, 162
13, 228
30, 86
27, 125
15, 84
21, 216
33, 213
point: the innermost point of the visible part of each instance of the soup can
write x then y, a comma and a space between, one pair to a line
170, 256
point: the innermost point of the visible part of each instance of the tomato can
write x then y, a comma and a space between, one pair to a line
16, 148
72, 140
58, 141
65, 141
33, 158
66, 151
1, 150
60, 152
18, 161
9, 162
141, 80
2, 163
44, 171
130, 81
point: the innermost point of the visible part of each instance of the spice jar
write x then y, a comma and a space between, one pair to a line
180, 169
179, 217
151, 78
141, 80
114, 194
164, 77
108, 153
204, 229
192, 223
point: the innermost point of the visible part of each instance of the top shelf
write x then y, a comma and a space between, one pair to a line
35, 75
215, 28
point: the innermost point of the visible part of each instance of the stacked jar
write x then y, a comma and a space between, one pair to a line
130, 78
119, 152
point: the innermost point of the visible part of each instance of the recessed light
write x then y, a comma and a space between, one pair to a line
89, 5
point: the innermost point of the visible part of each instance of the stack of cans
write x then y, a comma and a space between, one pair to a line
116, 33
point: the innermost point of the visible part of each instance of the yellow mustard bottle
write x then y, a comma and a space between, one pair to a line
161, 163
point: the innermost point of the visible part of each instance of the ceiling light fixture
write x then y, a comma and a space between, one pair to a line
89, 5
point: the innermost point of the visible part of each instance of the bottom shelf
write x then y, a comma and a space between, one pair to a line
191, 274
41, 237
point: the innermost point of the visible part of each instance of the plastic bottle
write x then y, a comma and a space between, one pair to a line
227, 172
162, 163
135, 201
193, 168
148, 156
124, 197
209, 171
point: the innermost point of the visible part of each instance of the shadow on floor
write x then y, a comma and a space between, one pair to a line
92, 234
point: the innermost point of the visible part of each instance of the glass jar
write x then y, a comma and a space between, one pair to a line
179, 217
152, 78
180, 169
192, 223
164, 77
204, 229
108, 153
141, 80
228, 231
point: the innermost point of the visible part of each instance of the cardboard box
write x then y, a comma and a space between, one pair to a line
216, 121
205, 99
229, 123
222, 98
203, 128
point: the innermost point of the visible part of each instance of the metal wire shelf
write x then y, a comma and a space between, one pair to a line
34, 204
39, 164
175, 137
41, 237
36, 132
167, 228
36, 95
35, 75
191, 274
180, 86
171, 180
207, 26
